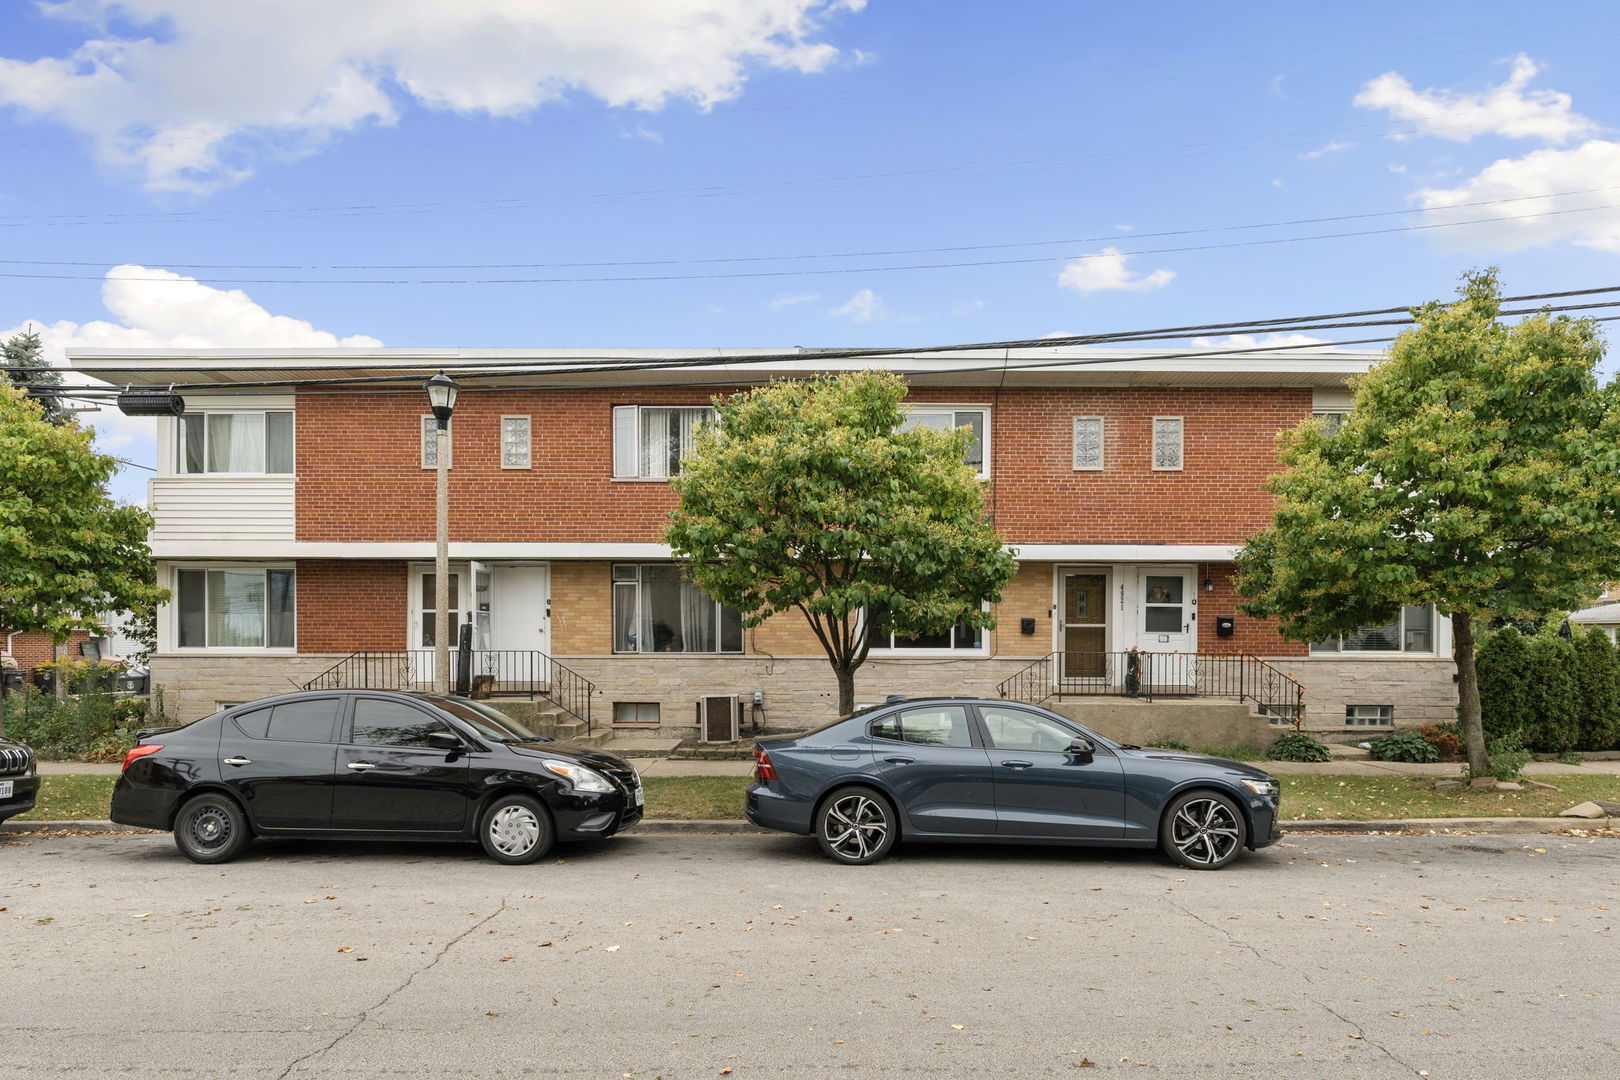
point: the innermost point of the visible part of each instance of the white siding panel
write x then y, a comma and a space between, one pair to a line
225, 508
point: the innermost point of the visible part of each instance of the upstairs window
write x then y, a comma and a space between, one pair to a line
1331, 421
236, 443
1167, 443
1088, 443
516, 442
946, 418
430, 443
650, 441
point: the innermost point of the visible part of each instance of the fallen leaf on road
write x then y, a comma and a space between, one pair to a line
345, 948
611, 948
143, 914
958, 1027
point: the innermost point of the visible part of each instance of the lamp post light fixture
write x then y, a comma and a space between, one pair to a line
441, 392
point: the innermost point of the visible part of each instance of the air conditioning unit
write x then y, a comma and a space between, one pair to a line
719, 717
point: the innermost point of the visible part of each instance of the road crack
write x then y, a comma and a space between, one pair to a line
1361, 1032
365, 1014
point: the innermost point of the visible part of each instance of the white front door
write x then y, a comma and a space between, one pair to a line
1168, 606
520, 607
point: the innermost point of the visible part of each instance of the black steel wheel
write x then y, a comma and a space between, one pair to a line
1203, 830
516, 829
211, 828
856, 826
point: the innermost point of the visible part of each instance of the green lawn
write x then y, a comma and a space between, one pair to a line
1349, 798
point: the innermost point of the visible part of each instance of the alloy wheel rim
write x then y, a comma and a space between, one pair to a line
1205, 831
514, 830
210, 828
855, 826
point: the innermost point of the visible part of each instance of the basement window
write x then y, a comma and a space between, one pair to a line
1369, 716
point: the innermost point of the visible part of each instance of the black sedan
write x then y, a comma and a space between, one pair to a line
19, 779
992, 771
371, 765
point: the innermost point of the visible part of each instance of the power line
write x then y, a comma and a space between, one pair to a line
628, 278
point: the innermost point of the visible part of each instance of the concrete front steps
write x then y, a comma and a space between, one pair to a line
1195, 721
544, 718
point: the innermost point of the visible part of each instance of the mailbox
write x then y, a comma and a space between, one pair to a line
1026, 626
1224, 625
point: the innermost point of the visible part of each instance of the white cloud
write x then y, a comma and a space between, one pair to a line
778, 303
865, 306
1534, 222
197, 91
1323, 151
966, 307
1106, 270
1256, 341
1510, 109
160, 309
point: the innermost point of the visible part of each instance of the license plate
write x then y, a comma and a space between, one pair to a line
5, 788
641, 796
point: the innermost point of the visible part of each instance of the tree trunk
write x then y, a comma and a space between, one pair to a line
1473, 728
57, 655
846, 689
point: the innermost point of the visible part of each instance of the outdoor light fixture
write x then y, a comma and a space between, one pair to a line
150, 403
441, 392
1209, 583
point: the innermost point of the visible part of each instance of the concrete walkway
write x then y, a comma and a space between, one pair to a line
1337, 767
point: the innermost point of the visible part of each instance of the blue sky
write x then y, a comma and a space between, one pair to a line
202, 140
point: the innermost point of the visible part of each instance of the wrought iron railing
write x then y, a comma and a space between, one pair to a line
1146, 675
478, 672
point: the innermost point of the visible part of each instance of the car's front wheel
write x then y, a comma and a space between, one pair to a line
856, 826
211, 828
1203, 830
516, 829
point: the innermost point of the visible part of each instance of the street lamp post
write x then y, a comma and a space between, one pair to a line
441, 392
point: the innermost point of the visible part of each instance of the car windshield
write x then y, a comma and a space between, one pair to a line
488, 721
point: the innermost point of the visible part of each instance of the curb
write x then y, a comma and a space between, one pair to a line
721, 826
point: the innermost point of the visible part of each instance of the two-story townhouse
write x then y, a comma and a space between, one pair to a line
294, 523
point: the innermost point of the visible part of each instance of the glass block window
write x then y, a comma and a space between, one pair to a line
1369, 716
516, 443
1167, 443
1088, 443
430, 443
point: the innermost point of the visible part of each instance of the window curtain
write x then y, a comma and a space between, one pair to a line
236, 608
236, 442
655, 442
697, 620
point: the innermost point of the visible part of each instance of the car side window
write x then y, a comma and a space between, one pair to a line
392, 723
255, 724
1016, 729
304, 721
932, 725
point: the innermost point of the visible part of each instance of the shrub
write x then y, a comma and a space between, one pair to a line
1508, 757
1505, 673
1553, 695
94, 726
1298, 746
1446, 738
1404, 746
1172, 744
1597, 675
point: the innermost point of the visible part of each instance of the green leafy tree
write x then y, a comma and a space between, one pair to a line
1554, 695
1504, 671
68, 552
1476, 472
24, 366
807, 496
1597, 669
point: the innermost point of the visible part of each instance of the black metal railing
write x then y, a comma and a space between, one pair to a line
1146, 675
478, 672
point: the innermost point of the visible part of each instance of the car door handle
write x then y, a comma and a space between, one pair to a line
361, 766
237, 761
900, 760
1017, 764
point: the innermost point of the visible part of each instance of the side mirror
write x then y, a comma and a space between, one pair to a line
444, 740
1082, 748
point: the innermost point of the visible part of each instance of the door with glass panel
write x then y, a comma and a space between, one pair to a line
1168, 625
1083, 630
424, 635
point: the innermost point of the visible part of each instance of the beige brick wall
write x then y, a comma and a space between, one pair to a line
1027, 596
192, 685
581, 608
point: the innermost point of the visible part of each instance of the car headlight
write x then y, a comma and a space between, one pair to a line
1262, 787
582, 778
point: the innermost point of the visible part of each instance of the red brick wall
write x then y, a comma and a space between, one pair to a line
31, 650
360, 478
1257, 637
349, 604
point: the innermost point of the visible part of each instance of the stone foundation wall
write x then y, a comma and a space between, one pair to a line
1420, 689
193, 685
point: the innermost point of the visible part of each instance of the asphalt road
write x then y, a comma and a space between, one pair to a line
750, 956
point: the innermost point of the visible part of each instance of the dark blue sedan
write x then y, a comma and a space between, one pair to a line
970, 770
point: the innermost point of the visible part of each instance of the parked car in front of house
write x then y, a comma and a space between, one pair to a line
986, 771
371, 765
19, 779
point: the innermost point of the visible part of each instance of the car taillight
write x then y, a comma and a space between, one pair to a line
763, 769
138, 752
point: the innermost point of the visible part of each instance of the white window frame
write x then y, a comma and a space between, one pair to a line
429, 437
627, 421
528, 443
1400, 635
953, 652
911, 407
172, 609
203, 414
1181, 444
615, 582
1102, 443
1383, 717
638, 707
1332, 419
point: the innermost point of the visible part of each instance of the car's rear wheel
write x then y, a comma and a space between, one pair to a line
1203, 830
516, 829
856, 826
211, 828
